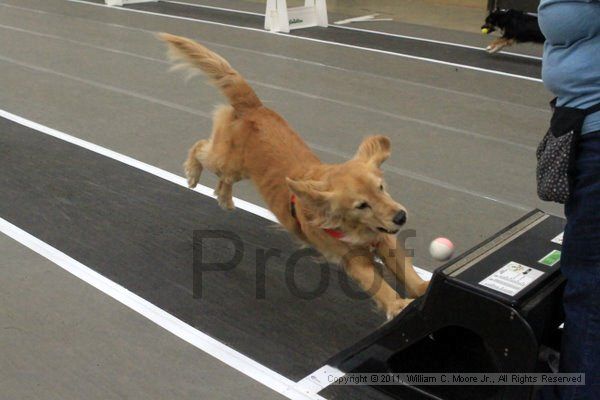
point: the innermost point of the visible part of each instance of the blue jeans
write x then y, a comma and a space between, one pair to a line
580, 264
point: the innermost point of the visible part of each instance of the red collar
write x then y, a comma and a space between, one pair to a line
336, 234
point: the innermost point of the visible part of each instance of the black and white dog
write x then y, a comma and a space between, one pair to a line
516, 27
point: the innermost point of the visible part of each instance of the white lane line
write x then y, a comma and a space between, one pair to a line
305, 389
161, 173
325, 149
401, 55
260, 53
397, 116
80, 43
416, 38
196, 338
132, 162
420, 39
112, 88
320, 379
425, 179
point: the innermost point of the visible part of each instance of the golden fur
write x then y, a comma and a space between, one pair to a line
250, 141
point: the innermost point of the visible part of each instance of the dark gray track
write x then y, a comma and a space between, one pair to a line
436, 51
98, 73
136, 229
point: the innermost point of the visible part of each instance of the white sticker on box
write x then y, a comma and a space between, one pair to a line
558, 239
512, 278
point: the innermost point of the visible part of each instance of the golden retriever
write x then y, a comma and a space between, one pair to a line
342, 210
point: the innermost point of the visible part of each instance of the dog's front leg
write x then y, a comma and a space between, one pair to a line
499, 44
362, 269
400, 264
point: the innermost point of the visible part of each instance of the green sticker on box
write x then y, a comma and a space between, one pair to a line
552, 258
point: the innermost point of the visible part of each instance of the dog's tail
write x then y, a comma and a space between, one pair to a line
190, 54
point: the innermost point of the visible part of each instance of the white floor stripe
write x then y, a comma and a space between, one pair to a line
320, 379
108, 87
423, 273
314, 146
261, 53
225, 354
161, 173
253, 82
419, 39
305, 389
402, 55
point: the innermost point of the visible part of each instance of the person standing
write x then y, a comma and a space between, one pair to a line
571, 70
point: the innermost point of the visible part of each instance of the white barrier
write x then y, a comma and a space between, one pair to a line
280, 18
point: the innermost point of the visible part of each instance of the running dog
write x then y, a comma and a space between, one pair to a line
342, 210
516, 27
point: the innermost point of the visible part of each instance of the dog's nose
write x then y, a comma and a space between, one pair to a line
400, 218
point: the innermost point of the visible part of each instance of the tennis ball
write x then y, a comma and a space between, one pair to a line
441, 249
485, 31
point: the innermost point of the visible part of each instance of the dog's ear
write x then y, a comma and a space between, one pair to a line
313, 191
374, 149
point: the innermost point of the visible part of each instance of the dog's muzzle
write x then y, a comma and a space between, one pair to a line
399, 219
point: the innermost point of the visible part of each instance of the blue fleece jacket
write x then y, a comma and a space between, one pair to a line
571, 65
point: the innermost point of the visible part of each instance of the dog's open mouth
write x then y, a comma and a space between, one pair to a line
392, 232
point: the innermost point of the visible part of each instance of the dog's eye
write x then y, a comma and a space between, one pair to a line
363, 205
381, 187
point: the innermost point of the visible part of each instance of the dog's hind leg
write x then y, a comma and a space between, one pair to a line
199, 158
192, 165
222, 154
224, 193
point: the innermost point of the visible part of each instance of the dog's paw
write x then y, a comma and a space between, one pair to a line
422, 288
226, 203
193, 175
193, 181
491, 49
418, 290
396, 308
193, 171
495, 47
